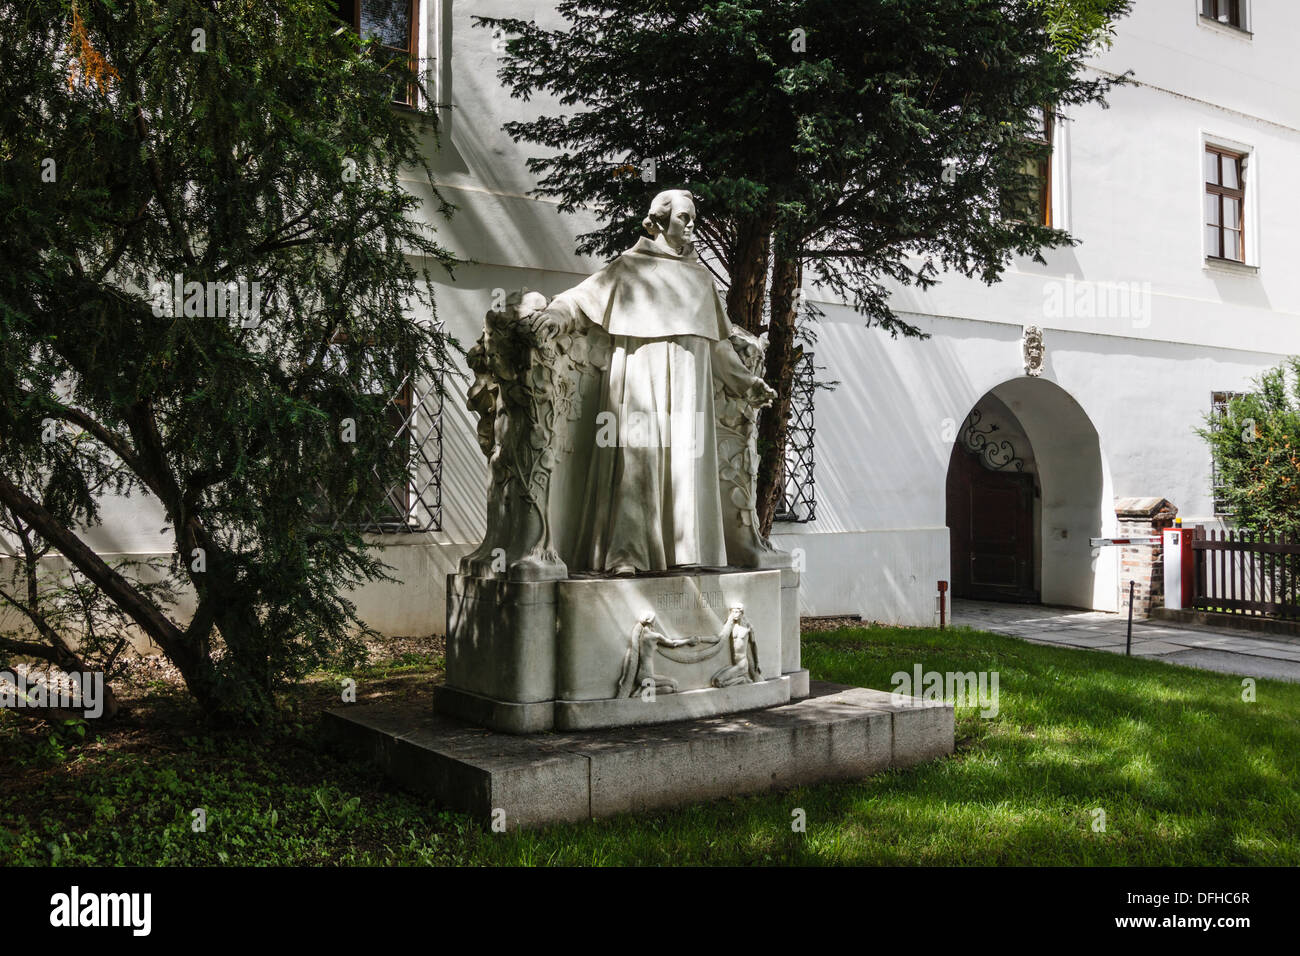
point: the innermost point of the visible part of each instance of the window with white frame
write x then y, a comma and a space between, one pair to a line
1034, 203
1041, 169
1228, 195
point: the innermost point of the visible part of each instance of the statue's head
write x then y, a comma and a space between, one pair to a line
671, 219
648, 618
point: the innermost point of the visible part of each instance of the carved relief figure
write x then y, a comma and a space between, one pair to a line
526, 395
638, 662
738, 458
744, 655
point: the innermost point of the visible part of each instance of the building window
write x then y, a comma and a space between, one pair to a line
1035, 204
396, 25
1231, 13
799, 496
1225, 204
1219, 402
409, 469
1042, 168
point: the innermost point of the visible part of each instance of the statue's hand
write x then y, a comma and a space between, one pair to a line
760, 394
527, 304
520, 305
544, 325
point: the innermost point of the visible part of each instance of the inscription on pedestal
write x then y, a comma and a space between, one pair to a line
678, 600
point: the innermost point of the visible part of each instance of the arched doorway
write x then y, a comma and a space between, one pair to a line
994, 508
1025, 492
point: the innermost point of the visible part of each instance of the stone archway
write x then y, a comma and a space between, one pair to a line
1026, 489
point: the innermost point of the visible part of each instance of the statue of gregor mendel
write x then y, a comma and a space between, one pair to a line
618, 419
619, 425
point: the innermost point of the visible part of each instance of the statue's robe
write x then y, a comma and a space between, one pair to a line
653, 500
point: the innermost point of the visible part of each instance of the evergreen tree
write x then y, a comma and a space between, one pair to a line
207, 272
1255, 442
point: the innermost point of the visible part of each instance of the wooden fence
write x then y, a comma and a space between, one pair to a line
1239, 573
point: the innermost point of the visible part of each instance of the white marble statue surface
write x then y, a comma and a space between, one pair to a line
619, 420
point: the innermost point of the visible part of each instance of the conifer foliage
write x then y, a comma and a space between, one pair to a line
208, 271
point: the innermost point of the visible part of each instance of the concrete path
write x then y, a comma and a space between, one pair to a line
1230, 652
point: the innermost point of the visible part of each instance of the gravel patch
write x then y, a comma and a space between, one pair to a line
809, 625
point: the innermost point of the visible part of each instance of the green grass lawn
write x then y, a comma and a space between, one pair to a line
1184, 769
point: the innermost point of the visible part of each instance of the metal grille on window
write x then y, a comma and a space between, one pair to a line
799, 500
408, 469
412, 472
1218, 412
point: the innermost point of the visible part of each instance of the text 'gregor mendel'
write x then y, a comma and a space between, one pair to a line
684, 601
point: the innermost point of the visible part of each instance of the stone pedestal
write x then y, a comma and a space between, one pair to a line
835, 733
532, 656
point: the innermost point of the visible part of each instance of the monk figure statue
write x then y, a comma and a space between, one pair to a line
653, 498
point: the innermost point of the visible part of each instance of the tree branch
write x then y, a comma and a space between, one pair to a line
141, 610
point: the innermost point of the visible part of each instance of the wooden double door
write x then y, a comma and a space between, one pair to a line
991, 531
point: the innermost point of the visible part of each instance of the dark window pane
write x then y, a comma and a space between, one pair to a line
394, 467
390, 20
1225, 11
1033, 202
799, 496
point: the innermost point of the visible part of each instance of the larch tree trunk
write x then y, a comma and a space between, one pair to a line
782, 356
748, 279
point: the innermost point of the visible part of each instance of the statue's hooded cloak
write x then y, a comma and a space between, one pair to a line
649, 293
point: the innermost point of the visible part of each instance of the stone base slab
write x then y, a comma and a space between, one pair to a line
506, 716
836, 733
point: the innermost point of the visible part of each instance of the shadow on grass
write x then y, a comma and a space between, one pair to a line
1092, 758
1172, 762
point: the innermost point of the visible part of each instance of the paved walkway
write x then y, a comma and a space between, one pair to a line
1230, 652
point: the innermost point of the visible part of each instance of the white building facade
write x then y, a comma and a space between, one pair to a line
1141, 324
